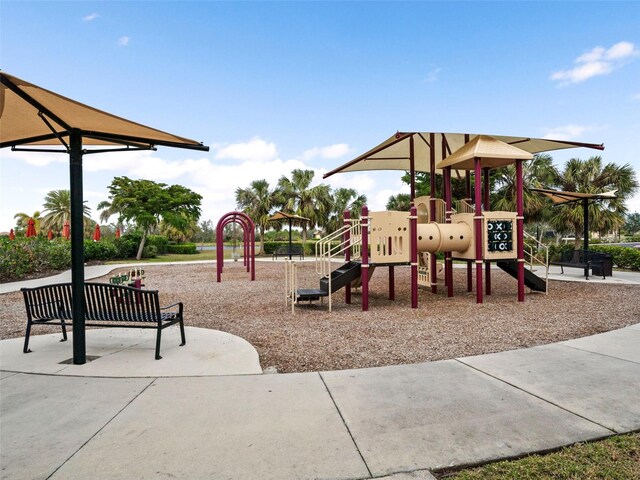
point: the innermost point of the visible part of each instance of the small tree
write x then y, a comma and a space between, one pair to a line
57, 210
400, 202
257, 201
148, 203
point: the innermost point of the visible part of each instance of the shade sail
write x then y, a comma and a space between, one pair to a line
559, 197
287, 216
394, 152
491, 152
32, 115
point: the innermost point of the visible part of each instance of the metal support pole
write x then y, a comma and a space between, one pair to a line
468, 192
520, 228
365, 258
433, 274
290, 239
412, 169
413, 255
585, 234
347, 255
77, 248
448, 261
487, 207
477, 223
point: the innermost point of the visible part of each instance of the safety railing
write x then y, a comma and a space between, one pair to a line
290, 283
464, 206
537, 254
336, 244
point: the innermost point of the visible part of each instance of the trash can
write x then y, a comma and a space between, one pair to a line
604, 269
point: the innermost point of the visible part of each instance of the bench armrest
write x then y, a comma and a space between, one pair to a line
178, 304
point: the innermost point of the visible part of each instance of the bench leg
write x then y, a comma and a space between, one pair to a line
26, 338
184, 339
158, 338
64, 332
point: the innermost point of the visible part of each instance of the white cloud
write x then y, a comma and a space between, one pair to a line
567, 132
90, 17
433, 75
636, 96
330, 152
37, 159
598, 61
255, 149
124, 41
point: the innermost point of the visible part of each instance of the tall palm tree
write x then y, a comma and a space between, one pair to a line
400, 202
257, 201
343, 199
300, 198
57, 209
536, 173
22, 221
591, 176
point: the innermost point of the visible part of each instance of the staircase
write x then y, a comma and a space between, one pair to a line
333, 246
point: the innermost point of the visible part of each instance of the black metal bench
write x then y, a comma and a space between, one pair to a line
285, 251
599, 263
106, 305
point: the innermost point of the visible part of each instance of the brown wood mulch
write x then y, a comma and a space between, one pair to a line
389, 333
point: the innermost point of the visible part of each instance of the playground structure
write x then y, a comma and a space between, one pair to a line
473, 233
248, 241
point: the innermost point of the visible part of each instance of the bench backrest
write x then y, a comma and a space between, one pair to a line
297, 249
122, 303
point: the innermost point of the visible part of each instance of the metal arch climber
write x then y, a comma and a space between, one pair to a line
248, 229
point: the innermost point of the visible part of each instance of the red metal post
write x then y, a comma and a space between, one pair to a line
468, 191
448, 261
520, 228
477, 223
487, 207
347, 255
433, 275
392, 278
365, 258
413, 255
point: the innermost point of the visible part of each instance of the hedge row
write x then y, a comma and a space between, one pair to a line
183, 248
270, 247
623, 257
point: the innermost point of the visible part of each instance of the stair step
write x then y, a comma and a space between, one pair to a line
310, 294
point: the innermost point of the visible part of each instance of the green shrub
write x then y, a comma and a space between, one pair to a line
159, 241
623, 257
182, 248
59, 255
556, 251
15, 259
102, 250
149, 251
270, 247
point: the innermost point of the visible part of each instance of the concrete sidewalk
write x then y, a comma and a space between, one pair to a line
351, 424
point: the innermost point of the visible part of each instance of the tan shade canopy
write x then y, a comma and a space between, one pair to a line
394, 152
287, 216
29, 115
491, 152
558, 197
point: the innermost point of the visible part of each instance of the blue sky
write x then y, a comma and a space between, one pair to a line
273, 86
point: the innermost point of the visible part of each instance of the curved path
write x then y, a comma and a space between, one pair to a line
206, 411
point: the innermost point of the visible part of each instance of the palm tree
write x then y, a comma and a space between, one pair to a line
300, 198
536, 173
343, 199
400, 202
257, 201
57, 209
590, 176
22, 221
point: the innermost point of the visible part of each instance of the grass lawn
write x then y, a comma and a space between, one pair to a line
615, 458
176, 257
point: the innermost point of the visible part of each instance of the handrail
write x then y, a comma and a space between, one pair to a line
291, 283
462, 206
326, 250
533, 247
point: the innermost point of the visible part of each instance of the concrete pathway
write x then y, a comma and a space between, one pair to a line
401, 421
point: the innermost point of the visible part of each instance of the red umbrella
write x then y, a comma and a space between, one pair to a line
31, 228
117, 233
96, 233
66, 230
50, 234
12, 236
